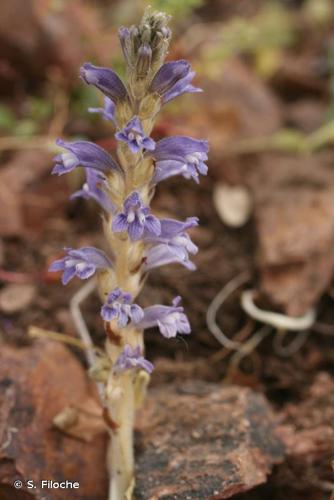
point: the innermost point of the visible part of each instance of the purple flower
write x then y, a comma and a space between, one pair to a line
170, 320
162, 254
82, 263
135, 219
108, 111
180, 156
133, 135
105, 79
119, 307
96, 188
132, 358
173, 245
173, 79
171, 229
84, 154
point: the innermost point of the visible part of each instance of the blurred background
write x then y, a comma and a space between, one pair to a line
266, 208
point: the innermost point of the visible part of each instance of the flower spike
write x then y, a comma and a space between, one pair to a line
138, 240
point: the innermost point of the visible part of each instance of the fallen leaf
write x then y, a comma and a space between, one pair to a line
84, 421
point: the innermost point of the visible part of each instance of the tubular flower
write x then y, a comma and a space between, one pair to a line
132, 358
105, 79
180, 156
173, 79
172, 245
108, 110
83, 154
119, 307
133, 135
163, 254
135, 219
170, 320
96, 188
82, 263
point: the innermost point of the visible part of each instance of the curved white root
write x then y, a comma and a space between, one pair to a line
274, 319
281, 322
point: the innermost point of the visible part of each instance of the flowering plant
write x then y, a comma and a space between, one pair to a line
138, 240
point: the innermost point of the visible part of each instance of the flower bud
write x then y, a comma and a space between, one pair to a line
144, 60
145, 47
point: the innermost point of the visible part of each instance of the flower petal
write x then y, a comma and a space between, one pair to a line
105, 79
119, 223
135, 230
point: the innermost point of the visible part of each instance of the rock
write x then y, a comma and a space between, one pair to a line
308, 433
15, 297
204, 441
294, 216
37, 383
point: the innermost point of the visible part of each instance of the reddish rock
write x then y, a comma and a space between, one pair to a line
37, 383
308, 434
204, 441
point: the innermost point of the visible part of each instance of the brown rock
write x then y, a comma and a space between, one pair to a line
308, 434
294, 215
37, 383
204, 441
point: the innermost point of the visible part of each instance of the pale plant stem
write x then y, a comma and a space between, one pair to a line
121, 389
120, 456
